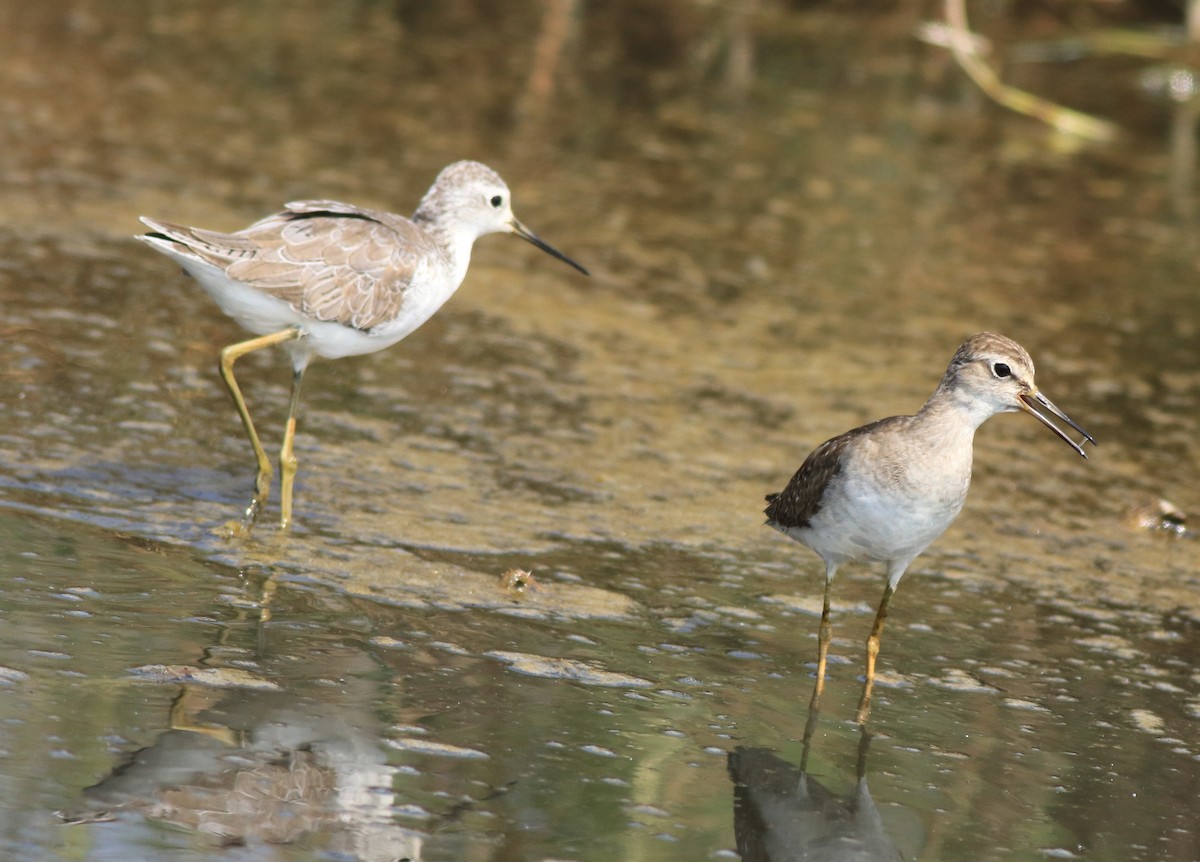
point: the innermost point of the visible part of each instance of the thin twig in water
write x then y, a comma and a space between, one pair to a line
962, 45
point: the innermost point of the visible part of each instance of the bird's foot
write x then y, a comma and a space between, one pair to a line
232, 530
243, 528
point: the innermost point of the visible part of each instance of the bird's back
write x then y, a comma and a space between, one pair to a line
329, 261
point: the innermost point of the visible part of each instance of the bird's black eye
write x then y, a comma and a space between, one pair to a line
1001, 370
497, 201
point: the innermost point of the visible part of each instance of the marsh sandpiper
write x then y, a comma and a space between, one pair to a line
884, 491
331, 279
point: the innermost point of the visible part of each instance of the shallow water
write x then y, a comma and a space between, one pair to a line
792, 218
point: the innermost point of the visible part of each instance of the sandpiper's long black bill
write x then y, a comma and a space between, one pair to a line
1036, 398
530, 237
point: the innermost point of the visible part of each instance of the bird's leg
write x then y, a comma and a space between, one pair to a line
864, 705
824, 635
287, 457
186, 708
262, 481
864, 743
810, 728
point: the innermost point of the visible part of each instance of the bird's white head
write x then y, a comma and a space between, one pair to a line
468, 195
993, 374
469, 198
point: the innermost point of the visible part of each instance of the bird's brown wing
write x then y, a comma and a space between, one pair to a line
800, 500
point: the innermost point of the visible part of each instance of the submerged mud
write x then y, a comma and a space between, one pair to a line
792, 217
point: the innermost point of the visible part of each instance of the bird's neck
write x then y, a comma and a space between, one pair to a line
455, 238
945, 433
952, 414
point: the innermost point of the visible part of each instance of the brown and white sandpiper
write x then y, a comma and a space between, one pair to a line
884, 491
331, 279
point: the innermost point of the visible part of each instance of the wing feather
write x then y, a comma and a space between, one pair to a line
331, 261
800, 500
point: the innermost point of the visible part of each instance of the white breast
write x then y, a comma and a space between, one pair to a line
888, 510
262, 314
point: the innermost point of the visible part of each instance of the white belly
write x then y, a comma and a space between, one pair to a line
263, 314
863, 518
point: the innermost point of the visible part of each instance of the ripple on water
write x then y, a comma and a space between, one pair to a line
1147, 721
216, 677
437, 749
565, 668
955, 679
12, 676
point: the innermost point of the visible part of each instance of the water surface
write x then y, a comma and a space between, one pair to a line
792, 218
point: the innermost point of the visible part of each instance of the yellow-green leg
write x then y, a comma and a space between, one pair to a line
824, 635
262, 481
287, 456
864, 705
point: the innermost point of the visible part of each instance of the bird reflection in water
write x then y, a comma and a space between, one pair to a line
260, 767
782, 814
